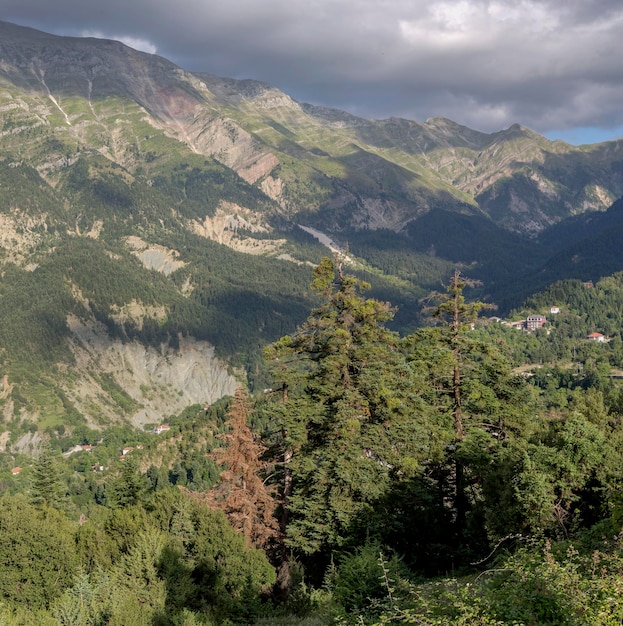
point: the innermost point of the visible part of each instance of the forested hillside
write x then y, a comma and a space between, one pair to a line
156, 225
468, 472
192, 434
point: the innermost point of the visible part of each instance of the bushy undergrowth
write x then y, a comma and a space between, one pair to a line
540, 585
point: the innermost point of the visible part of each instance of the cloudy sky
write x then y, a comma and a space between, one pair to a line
552, 65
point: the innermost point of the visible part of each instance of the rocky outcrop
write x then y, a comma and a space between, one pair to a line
226, 141
228, 224
155, 257
156, 382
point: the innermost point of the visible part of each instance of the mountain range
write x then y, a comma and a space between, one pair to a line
158, 226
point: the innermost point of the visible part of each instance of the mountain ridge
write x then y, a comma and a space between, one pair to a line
163, 207
460, 164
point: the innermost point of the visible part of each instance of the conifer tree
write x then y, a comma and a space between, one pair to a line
476, 388
241, 491
456, 316
129, 488
351, 421
46, 488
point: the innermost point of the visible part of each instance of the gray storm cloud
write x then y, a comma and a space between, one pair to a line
484, 63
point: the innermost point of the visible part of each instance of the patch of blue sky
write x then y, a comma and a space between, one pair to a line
586, 135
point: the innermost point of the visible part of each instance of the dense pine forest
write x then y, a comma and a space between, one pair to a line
466, 473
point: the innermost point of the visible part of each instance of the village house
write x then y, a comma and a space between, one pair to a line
78, 448
125, 451
596, 337
520, 325
163, 428
531, 323
534, 322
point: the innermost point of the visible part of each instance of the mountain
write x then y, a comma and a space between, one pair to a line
157, 226
586, 245
365, 173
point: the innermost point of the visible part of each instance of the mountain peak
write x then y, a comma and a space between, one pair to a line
242, 124
233, 90
93, 68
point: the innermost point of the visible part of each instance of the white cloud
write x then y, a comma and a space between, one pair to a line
134, 42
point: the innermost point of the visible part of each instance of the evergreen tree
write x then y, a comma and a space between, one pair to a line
456, 316
241, 491
476, 392
130, 487
37, 552
350, 415
47, 488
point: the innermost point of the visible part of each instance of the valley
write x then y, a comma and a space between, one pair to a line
266, 362
151, 163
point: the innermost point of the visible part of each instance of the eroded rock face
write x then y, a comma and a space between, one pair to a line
155, 257
158, 381
229, 143
226, 223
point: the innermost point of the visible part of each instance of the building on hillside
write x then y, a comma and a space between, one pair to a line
16, 471
78, 448
534, 322
554, 310
163, 428
596, 337
519, 325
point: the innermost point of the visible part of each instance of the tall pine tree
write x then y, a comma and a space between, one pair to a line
485, 406
350, 414
47, 488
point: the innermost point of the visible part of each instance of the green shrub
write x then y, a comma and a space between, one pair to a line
364, 577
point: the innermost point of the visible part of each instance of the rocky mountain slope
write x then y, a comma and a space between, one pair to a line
100, 94
157, 226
